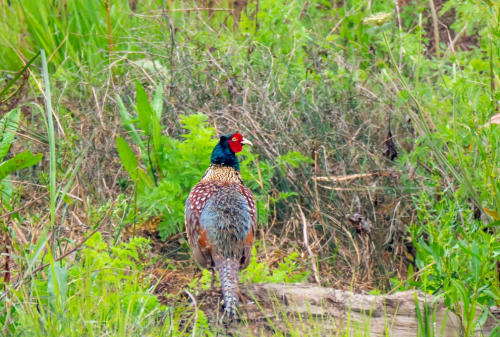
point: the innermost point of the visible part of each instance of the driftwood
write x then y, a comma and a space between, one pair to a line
326, 311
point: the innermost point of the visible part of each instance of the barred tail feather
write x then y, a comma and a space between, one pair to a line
228, 273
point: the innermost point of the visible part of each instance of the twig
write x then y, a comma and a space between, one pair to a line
313, 257
60, 45
396, 2
303, 9
25, 136
6, 276
24, 183
21, 208
98, 109
199, 9
341, 20
436, 29
356, 176
451, 47
245, 305
19, 232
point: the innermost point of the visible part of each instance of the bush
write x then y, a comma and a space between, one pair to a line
175, 166
103, 291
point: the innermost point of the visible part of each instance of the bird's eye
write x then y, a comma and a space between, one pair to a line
234, 139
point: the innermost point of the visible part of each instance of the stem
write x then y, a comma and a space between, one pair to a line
436, 31
52, 145
108, 26
492, 78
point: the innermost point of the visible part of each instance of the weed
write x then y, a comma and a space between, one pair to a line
321, 92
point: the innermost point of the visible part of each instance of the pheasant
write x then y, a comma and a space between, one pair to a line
221, 218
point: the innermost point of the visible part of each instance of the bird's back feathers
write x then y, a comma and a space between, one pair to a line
221, 222
221, 218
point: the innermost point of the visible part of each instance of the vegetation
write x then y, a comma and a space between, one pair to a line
376, 133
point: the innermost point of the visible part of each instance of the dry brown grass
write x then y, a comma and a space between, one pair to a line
343, 131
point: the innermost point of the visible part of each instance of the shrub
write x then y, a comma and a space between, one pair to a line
104, 290
175, 166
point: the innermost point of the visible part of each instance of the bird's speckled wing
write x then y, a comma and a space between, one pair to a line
221, 221
197, 237
245, 260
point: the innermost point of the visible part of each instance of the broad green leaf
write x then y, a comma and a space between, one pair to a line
9, 122
67, 199
143, 108
158, 101
494, 292
129, 161
144, 178
127, 156
127, 122
471, 253
464, 295
492, 224
57, 284
484, 316
495, 332
22, 160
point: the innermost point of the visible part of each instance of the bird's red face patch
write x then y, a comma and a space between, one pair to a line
235, 142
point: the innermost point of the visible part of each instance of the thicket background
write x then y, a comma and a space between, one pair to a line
375, 137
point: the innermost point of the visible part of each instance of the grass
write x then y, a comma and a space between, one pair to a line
325, 96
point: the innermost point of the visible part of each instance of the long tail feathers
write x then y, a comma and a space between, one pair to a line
228, 273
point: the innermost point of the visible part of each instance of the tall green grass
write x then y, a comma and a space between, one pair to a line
297, 80
74, 33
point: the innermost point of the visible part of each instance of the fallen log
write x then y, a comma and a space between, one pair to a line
310, 310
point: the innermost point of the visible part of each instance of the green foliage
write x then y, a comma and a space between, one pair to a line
19, 161
288, 271
102, 291
76, 33
178, 165
311, 64
8, 126
426, 319
462, 257
129, 160
184, 163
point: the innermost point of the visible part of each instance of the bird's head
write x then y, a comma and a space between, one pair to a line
224, 152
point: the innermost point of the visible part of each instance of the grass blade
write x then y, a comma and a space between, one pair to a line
4, 91
52, 145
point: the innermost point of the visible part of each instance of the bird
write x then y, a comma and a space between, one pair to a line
221, 219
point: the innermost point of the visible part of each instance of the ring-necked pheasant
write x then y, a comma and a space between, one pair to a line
221, 218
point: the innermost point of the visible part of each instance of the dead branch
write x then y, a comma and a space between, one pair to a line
308, 307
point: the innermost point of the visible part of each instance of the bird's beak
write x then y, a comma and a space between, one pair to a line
246, 142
